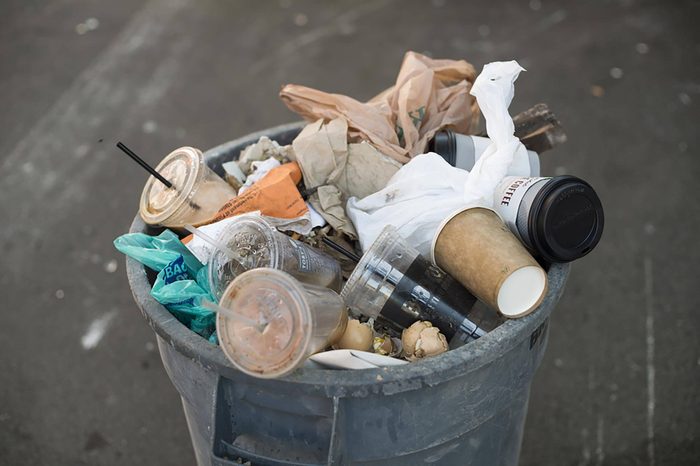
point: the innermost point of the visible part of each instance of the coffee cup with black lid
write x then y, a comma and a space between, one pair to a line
559, 219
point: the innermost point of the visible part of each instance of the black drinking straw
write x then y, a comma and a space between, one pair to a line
333, 245
152, 171
146, 166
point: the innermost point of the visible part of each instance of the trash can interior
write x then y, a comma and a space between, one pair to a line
439, 368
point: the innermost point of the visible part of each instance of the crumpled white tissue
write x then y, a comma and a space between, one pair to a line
260, 169
428, 190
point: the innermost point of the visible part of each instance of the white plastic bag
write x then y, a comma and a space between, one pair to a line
427, 190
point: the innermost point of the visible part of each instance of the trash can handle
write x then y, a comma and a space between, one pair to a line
336, 447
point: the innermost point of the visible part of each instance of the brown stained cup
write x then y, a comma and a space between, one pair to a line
479, 251
295, 320
196, 196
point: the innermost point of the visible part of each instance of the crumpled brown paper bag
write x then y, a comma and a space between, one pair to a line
428, 95
339, 170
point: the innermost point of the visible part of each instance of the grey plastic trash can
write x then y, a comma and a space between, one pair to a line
464, 407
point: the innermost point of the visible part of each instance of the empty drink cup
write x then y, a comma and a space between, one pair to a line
258, 244
559, 219
294, 321
394, 282
478, 250
196, 195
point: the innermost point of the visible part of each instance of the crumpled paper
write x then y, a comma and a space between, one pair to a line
428, 190
274, 195
330, 203
263, 150
506, 155
428, 95
337, 170
260, 168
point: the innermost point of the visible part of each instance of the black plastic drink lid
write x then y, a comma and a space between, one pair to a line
444, 143
566, 219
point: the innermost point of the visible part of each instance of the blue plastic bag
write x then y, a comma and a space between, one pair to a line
156, 252
182, 282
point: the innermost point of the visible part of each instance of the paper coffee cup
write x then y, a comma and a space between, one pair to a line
479, 251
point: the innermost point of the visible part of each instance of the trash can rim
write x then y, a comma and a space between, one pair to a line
394, 379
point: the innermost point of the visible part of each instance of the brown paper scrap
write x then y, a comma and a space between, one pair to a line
428, 95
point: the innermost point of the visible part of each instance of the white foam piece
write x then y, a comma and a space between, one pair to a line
341, 359
378, 360
353, 359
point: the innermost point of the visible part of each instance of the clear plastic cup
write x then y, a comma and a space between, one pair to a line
394, 282
295, 320
259, 244
196, 196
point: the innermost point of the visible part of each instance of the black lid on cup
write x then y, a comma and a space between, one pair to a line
566, 219
444, 143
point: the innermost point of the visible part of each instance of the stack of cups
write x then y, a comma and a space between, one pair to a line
394, 283
287, 286
556, 219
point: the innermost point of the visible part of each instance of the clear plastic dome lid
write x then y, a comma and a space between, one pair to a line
278, 344
180, 167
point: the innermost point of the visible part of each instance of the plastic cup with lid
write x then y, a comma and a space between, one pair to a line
196, 195
293, 321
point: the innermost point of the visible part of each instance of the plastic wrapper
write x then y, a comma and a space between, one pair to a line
275, 195
428, 95
181, 283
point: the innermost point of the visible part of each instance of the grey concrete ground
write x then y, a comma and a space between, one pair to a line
619, 384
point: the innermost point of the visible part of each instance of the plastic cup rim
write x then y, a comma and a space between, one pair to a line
241, 220
198, 161
301, 308
375, 253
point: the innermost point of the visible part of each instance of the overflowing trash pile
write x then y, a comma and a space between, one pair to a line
387, 231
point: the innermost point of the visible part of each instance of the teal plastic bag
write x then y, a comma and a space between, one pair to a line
181, 284
156, 252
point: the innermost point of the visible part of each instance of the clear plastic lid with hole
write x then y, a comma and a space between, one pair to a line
294, 320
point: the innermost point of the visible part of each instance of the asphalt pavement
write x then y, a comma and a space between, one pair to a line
81, 380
